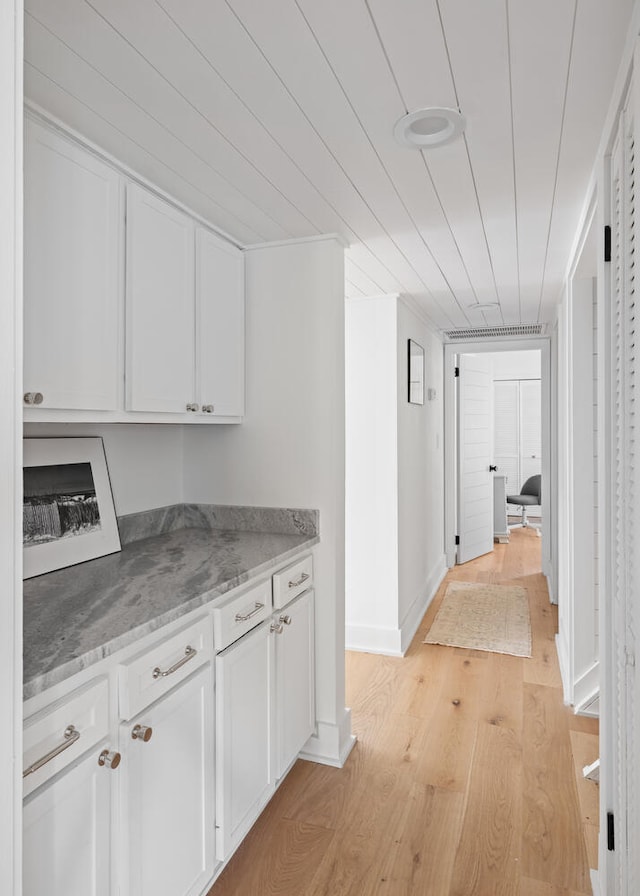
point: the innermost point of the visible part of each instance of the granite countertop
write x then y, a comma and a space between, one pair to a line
76, 616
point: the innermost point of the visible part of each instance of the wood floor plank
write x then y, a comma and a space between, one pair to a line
488, 854
531, 887
421, 859
289, 853
553, 844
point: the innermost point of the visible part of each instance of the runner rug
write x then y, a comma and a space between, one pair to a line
483, 617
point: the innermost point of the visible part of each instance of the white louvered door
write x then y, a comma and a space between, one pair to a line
623, 510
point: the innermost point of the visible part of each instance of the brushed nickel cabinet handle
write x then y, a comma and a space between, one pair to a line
207, 408
242, 617
32, 397
70, 734
286, 619
276, 628
303, 578
189, 653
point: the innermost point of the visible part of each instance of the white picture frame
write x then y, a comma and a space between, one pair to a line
68, 511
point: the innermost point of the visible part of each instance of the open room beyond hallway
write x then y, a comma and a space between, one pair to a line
466, 778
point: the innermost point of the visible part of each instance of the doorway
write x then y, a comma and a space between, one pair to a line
496, 348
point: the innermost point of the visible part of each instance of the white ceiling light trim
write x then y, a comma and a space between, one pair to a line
425, 128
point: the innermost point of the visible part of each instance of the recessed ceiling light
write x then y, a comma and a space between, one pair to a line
425, 128
483, 306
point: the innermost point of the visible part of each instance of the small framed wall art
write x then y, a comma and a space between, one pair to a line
415, 354
68, 513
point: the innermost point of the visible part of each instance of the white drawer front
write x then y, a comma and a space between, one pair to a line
292, 581
240, 613
63, 731
156, 670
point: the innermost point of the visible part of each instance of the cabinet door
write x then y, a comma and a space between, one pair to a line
73, 234
244, 766
219, 325
66, 831
160, 327
295, 676
167, 798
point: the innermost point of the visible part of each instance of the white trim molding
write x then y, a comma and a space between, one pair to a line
11, 106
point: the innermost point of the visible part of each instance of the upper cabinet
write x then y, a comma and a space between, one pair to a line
72, 275
160, 305
130, 316
219, 326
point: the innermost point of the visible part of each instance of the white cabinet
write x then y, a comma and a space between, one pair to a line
73, 235
244, 735
68, 787
66, 833
219, 326
168, 792
160, 316
185, 313
295, 679
131, 314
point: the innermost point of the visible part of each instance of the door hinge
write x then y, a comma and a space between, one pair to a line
607, 242
611, 839
457, 539
456, 371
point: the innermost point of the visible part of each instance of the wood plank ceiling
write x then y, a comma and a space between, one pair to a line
274, 120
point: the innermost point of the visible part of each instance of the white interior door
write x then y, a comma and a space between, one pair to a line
475, 448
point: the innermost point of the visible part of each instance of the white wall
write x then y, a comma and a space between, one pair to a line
522, 365
371, 388
395, 480
289, 451
145, 462
420, 477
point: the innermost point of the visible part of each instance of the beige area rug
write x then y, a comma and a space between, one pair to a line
483, 617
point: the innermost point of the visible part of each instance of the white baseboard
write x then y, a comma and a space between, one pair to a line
373, 639
563, 662
420, 606
396, 641
332, 743
586, 689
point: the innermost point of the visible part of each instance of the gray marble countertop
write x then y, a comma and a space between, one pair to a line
76, 616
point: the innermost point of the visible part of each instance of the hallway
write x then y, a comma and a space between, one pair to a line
463, 780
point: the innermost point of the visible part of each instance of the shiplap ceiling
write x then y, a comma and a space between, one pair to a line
274, 120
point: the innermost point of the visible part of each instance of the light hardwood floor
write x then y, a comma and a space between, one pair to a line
465, 780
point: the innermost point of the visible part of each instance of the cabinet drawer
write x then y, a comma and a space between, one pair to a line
152, 673
292, 581
64, 731
239, 613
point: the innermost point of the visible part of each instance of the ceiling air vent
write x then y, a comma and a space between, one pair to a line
494, 332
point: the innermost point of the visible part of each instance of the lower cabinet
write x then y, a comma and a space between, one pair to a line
265, 713
66, 833
295, 679
167, 795
143, 779
244, 735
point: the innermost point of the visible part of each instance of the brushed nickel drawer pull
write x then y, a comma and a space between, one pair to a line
242, 617
303, 578
189, 654
71, 735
